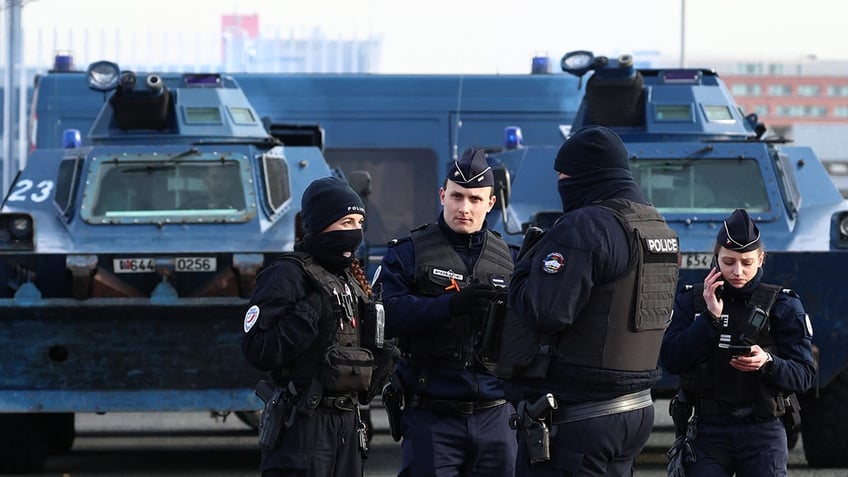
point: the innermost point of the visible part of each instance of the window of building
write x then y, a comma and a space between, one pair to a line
809, 90
840, 111
837, 90
779, 90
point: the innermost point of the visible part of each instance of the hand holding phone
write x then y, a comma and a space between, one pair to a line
720, 289
739, 350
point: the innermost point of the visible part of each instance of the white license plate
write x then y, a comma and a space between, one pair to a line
181, 264
696, 261
134, 265
196, 264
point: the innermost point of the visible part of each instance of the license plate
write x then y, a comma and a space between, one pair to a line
196, 264
134, 265
181, 264
696, 261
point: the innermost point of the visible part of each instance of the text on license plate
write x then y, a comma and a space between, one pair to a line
181, 264
696, 261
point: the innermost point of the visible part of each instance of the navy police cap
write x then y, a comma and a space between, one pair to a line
472, 170
739, 233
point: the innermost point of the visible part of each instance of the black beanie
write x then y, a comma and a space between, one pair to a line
325, 201
739, 233
591, 148
472, 170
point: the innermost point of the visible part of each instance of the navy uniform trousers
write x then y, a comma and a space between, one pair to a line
457, 445
583, 448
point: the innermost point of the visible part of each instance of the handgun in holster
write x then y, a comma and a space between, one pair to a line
792, 416
274, 414
393, 402
531, 419
680, 409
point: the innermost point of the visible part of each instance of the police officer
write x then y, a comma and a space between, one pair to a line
741, 348
589, 304
438, 286
303, 326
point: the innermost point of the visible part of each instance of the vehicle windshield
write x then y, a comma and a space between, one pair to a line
136, 189
702, 186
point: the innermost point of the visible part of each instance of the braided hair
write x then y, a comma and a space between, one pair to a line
359, 274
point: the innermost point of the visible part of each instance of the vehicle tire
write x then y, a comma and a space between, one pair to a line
23, 443
251, 418
823, 423
62, 432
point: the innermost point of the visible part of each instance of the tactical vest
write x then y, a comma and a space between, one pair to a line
436, 264
714, 379
339, 303
622, 324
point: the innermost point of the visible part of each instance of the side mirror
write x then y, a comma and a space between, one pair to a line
503, 187
360, 182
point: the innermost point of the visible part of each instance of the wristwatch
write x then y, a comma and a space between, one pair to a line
766, 367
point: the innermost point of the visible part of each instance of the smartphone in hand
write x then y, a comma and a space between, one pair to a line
739, 350
720, 289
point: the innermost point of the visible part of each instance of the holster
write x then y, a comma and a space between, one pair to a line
792, 417
274, 415
393, 402
680, 409
530, 418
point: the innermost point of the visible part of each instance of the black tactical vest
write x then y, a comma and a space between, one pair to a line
714, 379
436, 263
339, 303
622, 324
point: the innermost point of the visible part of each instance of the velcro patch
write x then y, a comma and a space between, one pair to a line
447, 274
251, 317
553, 262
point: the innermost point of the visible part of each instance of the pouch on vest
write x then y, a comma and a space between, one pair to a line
347, 369
522, 350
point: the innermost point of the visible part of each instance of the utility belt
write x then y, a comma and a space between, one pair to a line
589, 410
346, 402
710, 407
450, 405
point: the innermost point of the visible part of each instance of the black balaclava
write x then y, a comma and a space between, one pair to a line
598, 166
325, 201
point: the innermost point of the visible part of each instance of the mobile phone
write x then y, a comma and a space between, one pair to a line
739, 350
714, 265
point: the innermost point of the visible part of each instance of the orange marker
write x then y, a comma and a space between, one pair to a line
453, 286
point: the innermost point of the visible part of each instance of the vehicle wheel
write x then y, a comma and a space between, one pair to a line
23, 443
823, 422
62, 432
251, 418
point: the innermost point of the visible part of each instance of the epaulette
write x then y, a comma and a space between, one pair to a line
497, 234
790, 292
396, 241
422, 226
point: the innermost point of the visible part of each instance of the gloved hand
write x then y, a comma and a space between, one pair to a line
472, 297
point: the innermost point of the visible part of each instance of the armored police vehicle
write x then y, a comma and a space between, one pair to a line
698, 157
127, 258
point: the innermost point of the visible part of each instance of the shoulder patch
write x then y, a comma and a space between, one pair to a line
251, 317
553, 262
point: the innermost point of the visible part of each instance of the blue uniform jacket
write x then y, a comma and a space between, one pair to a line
411, 315
287, 325
687, 340
586, 247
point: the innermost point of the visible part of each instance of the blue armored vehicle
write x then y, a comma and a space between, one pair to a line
698, 157
127, 257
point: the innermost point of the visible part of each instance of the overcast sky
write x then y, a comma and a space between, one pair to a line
494, 36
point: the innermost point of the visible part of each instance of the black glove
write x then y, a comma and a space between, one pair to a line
472, 298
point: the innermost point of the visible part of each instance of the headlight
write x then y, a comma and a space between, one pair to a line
16, 232
839, 230
103, 75
21, 227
